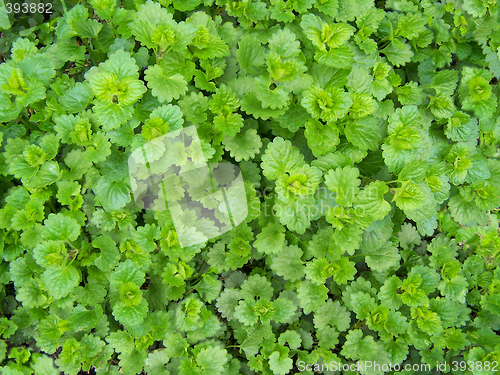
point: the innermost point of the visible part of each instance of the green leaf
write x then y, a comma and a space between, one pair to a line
294, 118
429, 278
327, 105
50, 253
363, 304
332, 314
344, 183
77, 98
384, 258
284, 310
256, 286
60, 281
409, 196
212, 360
4, 25
280, 365
408, 236
243, 146
121, 341
288, 263
358, 348
445, 81
313, 26
461, 127
465, 213
377, 234
77, 163
273, 98
155, 364
227, 302
388, 293
297, 214
340, 58
77, 19
398, 52
184, 6
109, 256
321, 139
475, 8
360, 80
250, 53
397, 350
343, 271
111, 114
292, 338
328, 7
371, 200
206, 44
164, 85
8, 110
112, 195
67, 190
8, 328
44, 365
410, 93
194, 107
209, 288
46, 175
311, 296
271, 240
280, 157
131, 315
60, 227
285, 43
282, 12
126, 272
413, 295
442, 106
149, 16
364, 133
349, 10
427, 321
83, 320
103, 8
415, 170
162, 120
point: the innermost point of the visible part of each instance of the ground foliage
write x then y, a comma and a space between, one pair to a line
367, 133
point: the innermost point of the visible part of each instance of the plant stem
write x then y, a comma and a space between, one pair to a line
90, 52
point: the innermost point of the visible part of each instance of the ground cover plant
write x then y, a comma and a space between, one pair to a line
367, 134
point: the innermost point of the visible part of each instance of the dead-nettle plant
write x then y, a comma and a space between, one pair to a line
211, 187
